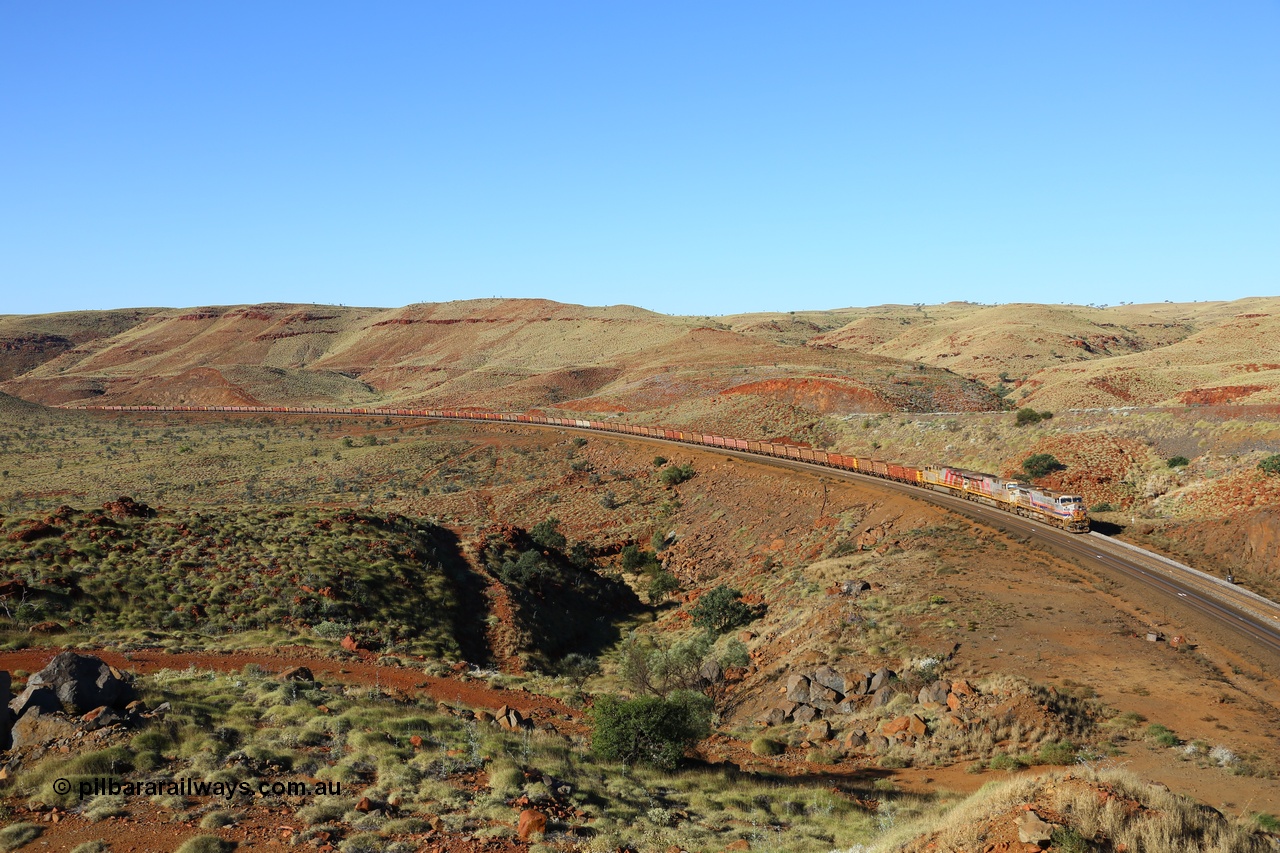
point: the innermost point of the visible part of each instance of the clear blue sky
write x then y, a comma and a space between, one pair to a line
689, 157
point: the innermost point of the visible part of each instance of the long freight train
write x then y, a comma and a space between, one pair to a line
1044, 505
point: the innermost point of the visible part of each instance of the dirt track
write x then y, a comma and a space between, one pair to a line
366, 672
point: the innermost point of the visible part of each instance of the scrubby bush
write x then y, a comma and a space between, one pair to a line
205, 844
649, 729
735, 653
1026, 416
91, 847
661, 585
660, 670
16, 835
1066, 840
721, 609
1101, 507
1271, 465
765, 746
674, 475
1178, 462
547, 534
635, 558
1061, 752
526, 568
1040, 465
1004, 761
578, 667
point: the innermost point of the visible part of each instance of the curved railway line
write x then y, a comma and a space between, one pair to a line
1248, 616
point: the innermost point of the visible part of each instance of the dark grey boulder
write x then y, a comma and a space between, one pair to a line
710, 672
879, 679
884, 696
936, 692
79, 683
798, 688
829, 678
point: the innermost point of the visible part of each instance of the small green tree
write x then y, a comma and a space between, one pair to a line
721, 609
637, 559
1026, 416
528, 568
1178, 462
547, 534
662, 585
580, 554
657, 669
674, 475
1041, 465
1271, 464
649, 729
578, 668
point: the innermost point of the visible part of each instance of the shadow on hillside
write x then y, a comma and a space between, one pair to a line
580, 611
856, 779
1106, 528
469, 620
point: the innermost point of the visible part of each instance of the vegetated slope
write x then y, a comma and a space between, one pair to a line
14, 410
1068, 356
949, 599
519, 354
1233, 361
496, 354
331, 572
29, 340
559, 605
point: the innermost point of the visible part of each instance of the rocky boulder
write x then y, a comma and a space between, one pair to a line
512, 720
883, 696
880, 678
818, 730
35, 727
296, 673
822, 698
858, 685
4, 708
936, 692
829, 678
853, 587
73, 683
710, 672
126, 507
531, 822
798, 689
775, 716
855, 739
1032, 829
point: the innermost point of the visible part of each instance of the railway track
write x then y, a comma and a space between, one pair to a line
1247, 616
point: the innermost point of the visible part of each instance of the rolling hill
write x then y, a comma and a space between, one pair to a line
530, 353
504, 354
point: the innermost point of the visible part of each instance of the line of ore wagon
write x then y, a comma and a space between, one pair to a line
1060, 510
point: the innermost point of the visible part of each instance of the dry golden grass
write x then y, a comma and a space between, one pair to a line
1107, 808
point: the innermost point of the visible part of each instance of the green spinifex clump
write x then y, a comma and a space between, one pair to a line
384, 577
